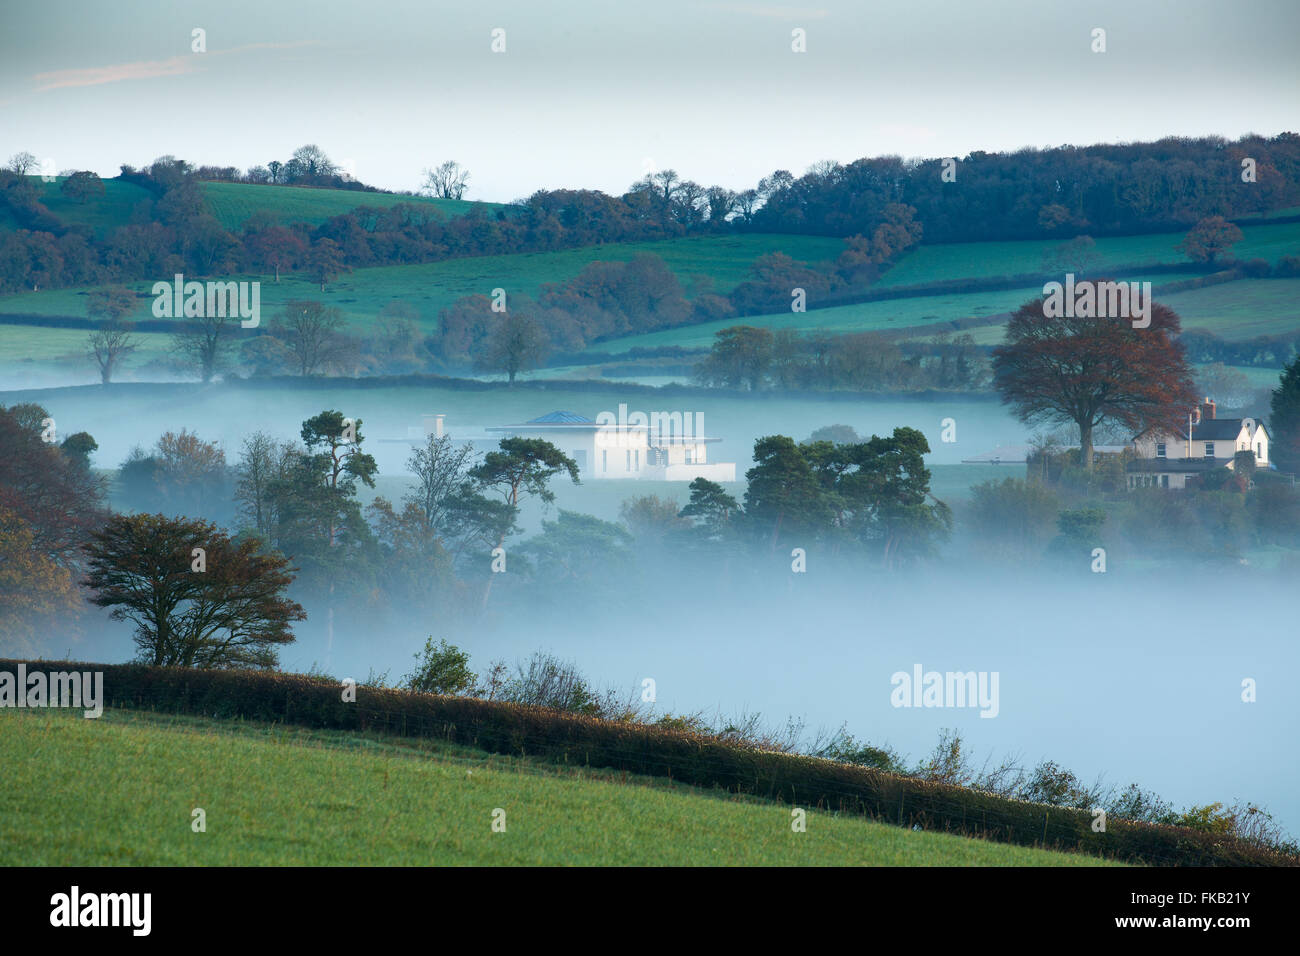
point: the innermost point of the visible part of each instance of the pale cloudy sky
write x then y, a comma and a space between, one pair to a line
588, 94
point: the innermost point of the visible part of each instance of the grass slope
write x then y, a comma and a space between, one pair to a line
233, 204
120, 791
430, 287
101, 214
971, 259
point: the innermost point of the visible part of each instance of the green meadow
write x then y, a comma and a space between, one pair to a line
121, 790
971, 259
101, 214
431, 287
233, 204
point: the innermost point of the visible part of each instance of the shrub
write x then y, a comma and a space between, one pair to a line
546, 681
442, 669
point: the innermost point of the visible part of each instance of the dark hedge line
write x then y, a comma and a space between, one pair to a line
637, 748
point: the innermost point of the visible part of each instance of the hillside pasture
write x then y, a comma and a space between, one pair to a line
122, 790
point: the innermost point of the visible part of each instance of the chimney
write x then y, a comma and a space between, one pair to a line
433, 425
1207, 409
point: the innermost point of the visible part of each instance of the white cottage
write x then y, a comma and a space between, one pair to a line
662, 446
1169, 459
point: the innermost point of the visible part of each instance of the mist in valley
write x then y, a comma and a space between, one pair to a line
1132, 675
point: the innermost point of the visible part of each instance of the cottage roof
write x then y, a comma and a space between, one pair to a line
1212, 429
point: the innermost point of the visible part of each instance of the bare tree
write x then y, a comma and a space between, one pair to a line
263, 461
312, 161
202, 343
22, 163
107, 346
447, 181
312, 332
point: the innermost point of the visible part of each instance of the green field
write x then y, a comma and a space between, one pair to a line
1242, 309
864, 317
234, 203
969, 259
433, 286
100, 213
231, 203
120, 790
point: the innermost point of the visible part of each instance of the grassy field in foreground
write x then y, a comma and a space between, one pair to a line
120, 791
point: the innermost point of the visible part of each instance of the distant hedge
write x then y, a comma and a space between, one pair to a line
638, 748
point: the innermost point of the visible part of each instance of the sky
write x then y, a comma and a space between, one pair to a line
595, 94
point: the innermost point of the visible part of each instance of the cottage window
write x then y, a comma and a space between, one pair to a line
1160, 449
1209, 449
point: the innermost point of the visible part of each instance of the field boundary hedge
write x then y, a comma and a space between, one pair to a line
694, 759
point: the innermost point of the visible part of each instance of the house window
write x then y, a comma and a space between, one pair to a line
628, 462
604, 460
1160, 449
1209, 449
690, 452
1164, 481
636, 460
1259, 449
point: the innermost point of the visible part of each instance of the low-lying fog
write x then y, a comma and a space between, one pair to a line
1137, 676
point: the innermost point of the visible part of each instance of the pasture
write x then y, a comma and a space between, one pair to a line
121, 790
973, 259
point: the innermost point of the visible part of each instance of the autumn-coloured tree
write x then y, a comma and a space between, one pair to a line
51, 489
32, 586
197, 597
273, 247
1093, 370
1209, 239
49, 502
325, 261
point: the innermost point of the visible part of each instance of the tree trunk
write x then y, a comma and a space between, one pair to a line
1085, 445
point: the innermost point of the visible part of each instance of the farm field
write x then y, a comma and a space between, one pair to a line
289, 796
969, 259
1242, 309
100, 213
34, 356
233, 204
863, 317
430, 287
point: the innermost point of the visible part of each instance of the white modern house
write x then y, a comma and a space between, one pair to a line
661, 446
1170, 458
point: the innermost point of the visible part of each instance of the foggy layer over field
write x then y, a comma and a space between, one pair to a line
1135, 674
